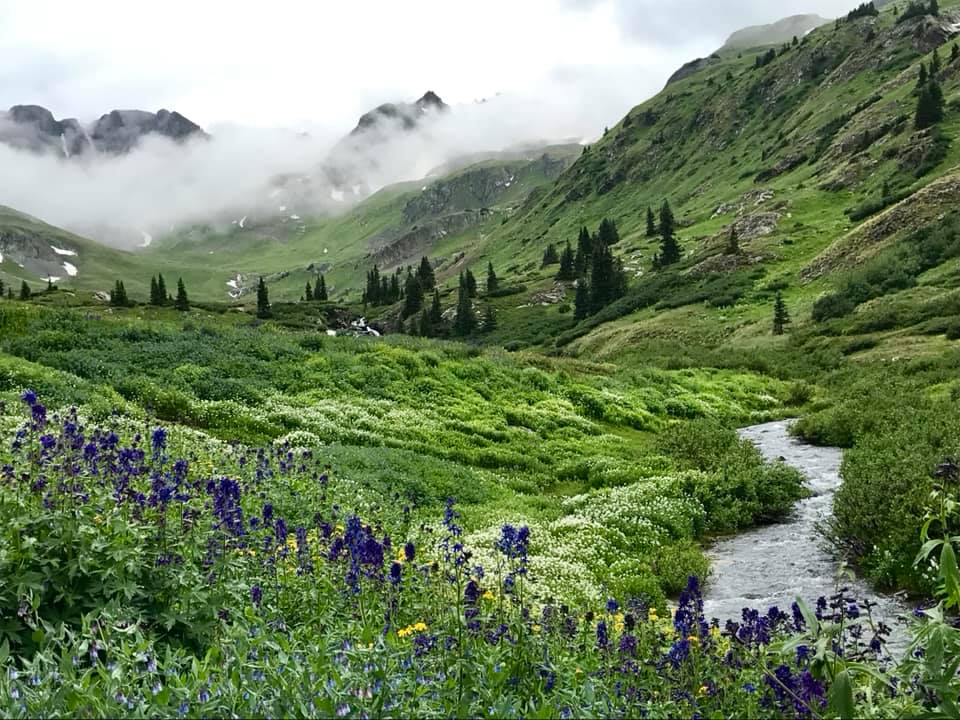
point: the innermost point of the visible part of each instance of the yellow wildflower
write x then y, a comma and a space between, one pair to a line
703, 690
652, 615
618, 622
536, 628
489, 596
411, 629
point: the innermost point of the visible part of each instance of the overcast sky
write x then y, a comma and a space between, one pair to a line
320, 63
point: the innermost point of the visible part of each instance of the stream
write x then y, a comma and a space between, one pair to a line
772, 565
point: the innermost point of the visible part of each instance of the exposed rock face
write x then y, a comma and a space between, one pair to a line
36, 255
692, 68
119, 131
405, 115
390, 250
34, 128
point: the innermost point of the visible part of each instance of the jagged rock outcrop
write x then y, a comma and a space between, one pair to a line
34, 128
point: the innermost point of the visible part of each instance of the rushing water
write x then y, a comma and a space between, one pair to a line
773, 565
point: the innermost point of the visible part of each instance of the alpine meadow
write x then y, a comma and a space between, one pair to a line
484, 408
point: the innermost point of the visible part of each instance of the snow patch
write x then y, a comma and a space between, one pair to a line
1, 257
294, 217
52, 278
147, 238
62, 251
337, 195
242, 221
70, 268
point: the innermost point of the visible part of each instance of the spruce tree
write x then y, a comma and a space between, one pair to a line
465, 320
263, 300
153, 291
424, 326
567, 269
1, 288
471, 284
118, 297
50, 287
428, 279
163, 297
550, 256
581, 301
489, 318
182, 303
393, 293
935, 64
929, 105
607, 233
733, 242
321, 292
308, 293
651, 224
781, 318
413, 297
24, 291
584, 252
669, 249
9, 293
436, 311
493, 283
934, 7
922, 77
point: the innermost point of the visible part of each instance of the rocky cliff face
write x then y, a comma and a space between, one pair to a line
34, 128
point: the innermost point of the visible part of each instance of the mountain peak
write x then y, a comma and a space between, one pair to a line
780, 31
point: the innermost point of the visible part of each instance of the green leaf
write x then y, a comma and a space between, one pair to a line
841, 696
950, 575
928, 547
4, 651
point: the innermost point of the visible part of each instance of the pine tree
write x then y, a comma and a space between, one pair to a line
1, 288
24, 291
584, 252
567, 269
308, 293
733, 242
163, 297
581, 301
50, 287
413, 299
929, 105
118, 297
465, 320
9, 293
471, 284
489, 318
424, 326
393, 294
550, 256
153, 291
781, 318
607, 233
934, 8
321, 292
436, 311
922, 77
182, 303
651, 224
935, 64
428, 279
492, 282
669, 249
263, 300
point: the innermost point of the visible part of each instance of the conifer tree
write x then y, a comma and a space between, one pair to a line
424, 329
584, 252
118, 296
607, 233
492, 282
153, 291
182, 303
669, 249
413, 298
567, 269
489, 318
436, 311
781, 318
428, 279
922, 77
308, 293
24, 291
1, 288
581, 301
550, 256
935, 64
733, 242
321, 291
651, 223
394, 292
929, 105
471, 284
465, 320
9, 293
50, 287
163, 297
954, 52
934, 7
263, 300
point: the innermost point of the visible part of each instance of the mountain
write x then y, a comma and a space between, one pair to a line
775, 33
34, 128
